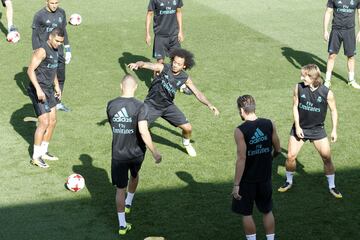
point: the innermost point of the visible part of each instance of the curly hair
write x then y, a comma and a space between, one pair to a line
182, 53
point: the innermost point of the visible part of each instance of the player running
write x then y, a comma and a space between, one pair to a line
311, 100
160, 99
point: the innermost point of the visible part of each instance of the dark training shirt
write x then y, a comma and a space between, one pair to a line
344, 13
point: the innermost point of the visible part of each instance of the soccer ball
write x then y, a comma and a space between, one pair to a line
13, 37
75, 182
75, 19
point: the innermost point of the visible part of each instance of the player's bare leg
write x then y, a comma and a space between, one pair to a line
329, 68
186, 133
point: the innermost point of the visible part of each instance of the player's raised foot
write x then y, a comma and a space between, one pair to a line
327, 83
190, 150
354, 84
285, 187
50, 157
127, 208
39, 162
335, 193
62, 107
123, 230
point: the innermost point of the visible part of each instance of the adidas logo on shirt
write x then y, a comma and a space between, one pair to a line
303, 96
122, 116
258, 137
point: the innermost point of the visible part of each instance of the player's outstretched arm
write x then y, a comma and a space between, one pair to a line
334, 115
240, 161
157, 67
298, 130
201, 97
145, 135
37, 57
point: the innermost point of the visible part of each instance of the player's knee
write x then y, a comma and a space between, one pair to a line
332, 56
52, 122
187, 128
291, 157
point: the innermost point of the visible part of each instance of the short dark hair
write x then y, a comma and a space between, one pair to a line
246, 102
183, 53
57, 32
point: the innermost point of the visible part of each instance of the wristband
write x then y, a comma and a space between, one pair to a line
67, 48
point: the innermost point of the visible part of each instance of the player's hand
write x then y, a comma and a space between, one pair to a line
157, 156
214, 110
58, 93
67, 57
235, 192
180, 37
40, 95
299, 132
326, 36
133, 66
333, 136
148, 39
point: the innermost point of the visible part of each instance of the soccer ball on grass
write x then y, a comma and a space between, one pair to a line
75, 182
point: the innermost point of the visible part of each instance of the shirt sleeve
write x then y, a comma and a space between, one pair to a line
143, 113
66, 38
180, 4
36, 31
330, 4
151, 6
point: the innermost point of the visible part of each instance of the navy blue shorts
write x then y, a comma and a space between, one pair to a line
310, 134
120, 170
42, 107
345, 36
171, 114
164, 45
260, 193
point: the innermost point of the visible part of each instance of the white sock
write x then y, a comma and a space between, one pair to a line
44, 147
121, 217
351, 76
129, 198
270, 236
331, 180
37, 151
251, 237
328, 76
186, 141
289, 177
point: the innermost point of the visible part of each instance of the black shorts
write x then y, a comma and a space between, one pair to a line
61, 72
260, 192
347, 36
39, 106
120, 170
171, 114
310, 134
164, 45
3, 2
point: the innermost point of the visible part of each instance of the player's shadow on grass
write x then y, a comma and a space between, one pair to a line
143, 75
22, 80
301, 58
24, 127
99, 186
2, 27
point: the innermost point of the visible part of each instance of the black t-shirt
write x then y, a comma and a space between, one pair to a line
258, 139
44, 22
46, 71
123, 116
312, 106
165, 21
163, 88
344, 13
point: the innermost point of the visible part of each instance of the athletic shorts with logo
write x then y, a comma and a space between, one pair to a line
42, 107
171, 114
310, 134
120, 170
163, 45
260, 193
345, 36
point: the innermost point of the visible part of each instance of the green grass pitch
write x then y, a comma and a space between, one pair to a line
253, 47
